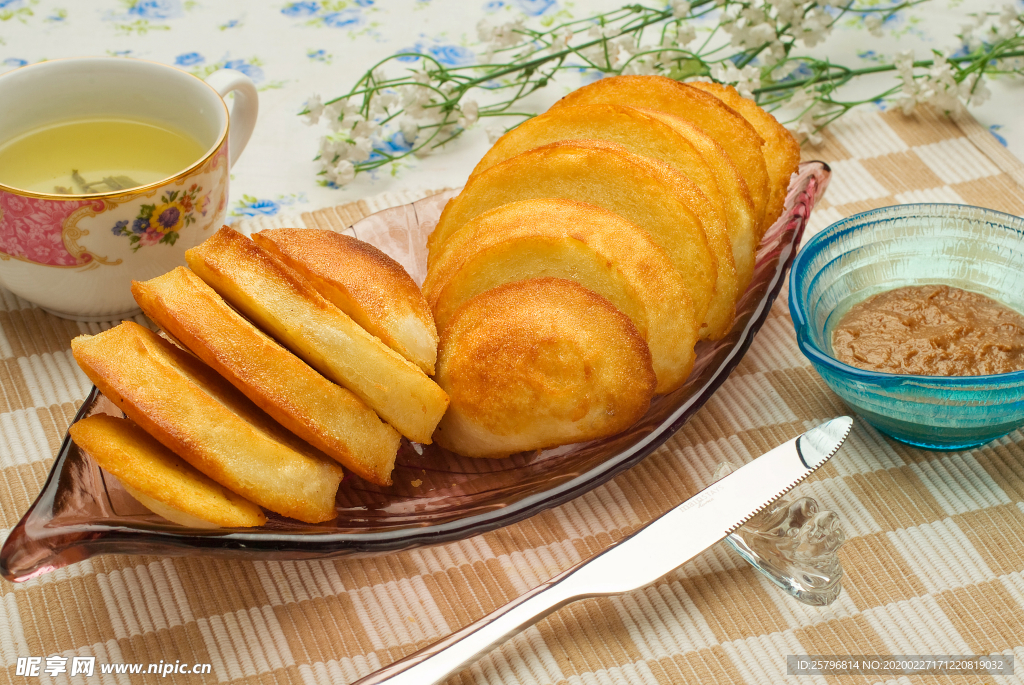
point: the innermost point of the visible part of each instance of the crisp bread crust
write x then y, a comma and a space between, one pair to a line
721, 122
640, 190
539, 363
136, 459
363, 282
203, 419
781, 149
322, 413
579, 242
286, 306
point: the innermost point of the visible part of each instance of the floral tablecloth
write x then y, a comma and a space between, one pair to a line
296, 49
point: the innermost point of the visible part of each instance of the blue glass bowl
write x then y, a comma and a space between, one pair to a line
969, 247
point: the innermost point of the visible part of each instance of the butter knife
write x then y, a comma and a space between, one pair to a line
637, 560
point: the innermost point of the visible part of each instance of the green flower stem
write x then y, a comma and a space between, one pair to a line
846, 74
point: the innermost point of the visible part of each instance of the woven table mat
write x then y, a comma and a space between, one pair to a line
933, 564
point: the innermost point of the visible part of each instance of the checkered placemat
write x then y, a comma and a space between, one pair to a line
934, 563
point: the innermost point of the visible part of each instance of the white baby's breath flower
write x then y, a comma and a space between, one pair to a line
937, 87
746, 80
775, 53
786, 11
382, 102
594, 54
560, 40
484, 30
1008, 22
626, 43
761, 34
643, 66
342, 173
904, 63
409, 128
335, 113
315, 108
359, 126
799, 102
332, 115
806, 127
873, 23
973, 90
680, 8
752, 15
815, 26
470, 112
685, 34
502, 35
361, 149
597, 31
494, 132
331, 150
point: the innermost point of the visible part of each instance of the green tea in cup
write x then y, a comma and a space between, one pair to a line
83, 157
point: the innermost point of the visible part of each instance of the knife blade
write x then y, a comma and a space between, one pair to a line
662, 545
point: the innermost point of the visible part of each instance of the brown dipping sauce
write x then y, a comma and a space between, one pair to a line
931, 330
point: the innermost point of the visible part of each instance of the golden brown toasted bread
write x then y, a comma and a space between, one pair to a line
565, 239
152, 473
363, 282
285, 305
539, 363
643, 191
327, 416
744, 233
202, 418
721, 122
781, 150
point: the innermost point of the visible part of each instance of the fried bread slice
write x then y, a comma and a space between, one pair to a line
325, 415
721, 122
286, 306
363, 282
646, 136
781, 149
643, 191
634, 129
565, 239
203, 419
540, 363
744, 231
163, 482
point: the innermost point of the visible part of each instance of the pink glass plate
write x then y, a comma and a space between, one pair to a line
437, 496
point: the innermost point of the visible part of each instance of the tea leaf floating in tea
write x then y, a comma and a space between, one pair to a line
109, 183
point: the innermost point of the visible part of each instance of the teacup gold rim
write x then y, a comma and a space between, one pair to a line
214, 149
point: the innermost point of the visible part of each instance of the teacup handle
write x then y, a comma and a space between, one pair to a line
243, 111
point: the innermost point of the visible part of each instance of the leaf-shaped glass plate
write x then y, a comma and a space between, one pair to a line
437, 496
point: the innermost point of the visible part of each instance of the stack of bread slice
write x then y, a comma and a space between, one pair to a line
652, 195
298, 352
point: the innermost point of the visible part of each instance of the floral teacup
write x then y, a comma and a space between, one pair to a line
75, 255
